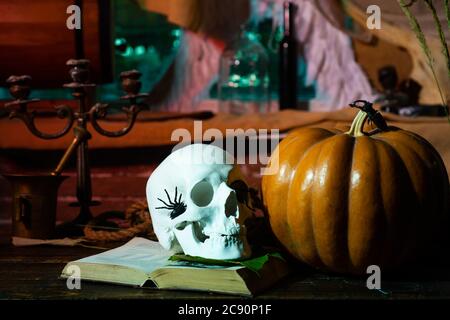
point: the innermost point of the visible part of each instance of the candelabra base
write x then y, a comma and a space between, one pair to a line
69, 229
75, 228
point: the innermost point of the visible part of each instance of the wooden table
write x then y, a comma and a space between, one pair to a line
32, 273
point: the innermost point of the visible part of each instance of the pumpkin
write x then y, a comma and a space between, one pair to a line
342, 201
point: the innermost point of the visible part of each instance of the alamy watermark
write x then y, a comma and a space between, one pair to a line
73, 281
260, 145
374, 19
374, 280
74, 20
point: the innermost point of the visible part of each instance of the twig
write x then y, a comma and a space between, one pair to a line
441, 33
447, 13
415, 26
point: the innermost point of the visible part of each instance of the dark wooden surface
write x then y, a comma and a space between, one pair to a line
32, 273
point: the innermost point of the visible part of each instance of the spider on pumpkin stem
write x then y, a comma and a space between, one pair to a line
373, 115
177, 206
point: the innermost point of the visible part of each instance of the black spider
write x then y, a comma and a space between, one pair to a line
374, 115
177, 206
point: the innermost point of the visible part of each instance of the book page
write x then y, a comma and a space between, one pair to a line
138, 253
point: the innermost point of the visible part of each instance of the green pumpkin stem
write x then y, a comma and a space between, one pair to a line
356, 129
367, 111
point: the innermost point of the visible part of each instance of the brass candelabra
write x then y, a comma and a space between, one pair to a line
19, 88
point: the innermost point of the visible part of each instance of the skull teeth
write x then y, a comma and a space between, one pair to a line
232, 232
224, 240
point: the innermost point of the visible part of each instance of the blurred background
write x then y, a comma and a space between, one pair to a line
178, 46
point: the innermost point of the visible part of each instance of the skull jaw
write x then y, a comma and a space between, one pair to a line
214, 247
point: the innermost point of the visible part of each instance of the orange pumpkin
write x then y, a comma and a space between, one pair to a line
342, 201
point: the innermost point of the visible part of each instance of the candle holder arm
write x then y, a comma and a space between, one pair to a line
28, 118
99, 111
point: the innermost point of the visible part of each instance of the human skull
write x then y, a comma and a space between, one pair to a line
193, 205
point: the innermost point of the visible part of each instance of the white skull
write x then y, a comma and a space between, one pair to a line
193, 208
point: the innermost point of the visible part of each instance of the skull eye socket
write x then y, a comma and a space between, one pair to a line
202, 193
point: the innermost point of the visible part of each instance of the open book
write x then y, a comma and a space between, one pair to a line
144, 263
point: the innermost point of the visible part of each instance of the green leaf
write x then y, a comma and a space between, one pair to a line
254, 264
183, 257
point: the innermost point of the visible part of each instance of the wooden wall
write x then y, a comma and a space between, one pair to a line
35, 40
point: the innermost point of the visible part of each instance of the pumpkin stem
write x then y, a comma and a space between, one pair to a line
367, 111
356, 129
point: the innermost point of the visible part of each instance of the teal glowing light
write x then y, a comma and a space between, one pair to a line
252, 36
128, 52
139, 50
235, 78
176, 33
176, 43
119, 41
